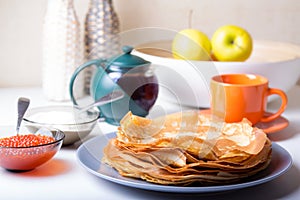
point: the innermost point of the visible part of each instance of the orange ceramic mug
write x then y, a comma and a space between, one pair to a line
238, 96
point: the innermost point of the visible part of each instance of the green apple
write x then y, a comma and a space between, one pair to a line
231, 43
191, 44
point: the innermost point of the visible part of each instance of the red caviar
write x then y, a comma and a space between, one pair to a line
25, 140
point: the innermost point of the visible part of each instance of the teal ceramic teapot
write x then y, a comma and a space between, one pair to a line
127, 72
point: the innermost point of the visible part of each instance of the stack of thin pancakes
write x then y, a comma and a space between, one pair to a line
187, 147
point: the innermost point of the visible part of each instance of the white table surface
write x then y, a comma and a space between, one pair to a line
64, 178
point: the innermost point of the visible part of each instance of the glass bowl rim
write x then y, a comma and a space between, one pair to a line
26, 118
40, 145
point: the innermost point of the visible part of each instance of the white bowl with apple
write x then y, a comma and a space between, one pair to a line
186, 81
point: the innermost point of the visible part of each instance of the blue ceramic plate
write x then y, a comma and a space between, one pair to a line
90, 154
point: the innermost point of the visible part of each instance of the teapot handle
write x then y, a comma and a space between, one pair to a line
96, 62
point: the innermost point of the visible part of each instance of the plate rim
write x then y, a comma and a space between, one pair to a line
141, 184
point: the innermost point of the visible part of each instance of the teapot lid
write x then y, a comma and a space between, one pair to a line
127, 60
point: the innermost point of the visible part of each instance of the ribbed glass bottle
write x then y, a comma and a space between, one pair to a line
101, 34
62, 50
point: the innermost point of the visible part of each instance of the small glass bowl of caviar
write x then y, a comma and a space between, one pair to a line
27, 150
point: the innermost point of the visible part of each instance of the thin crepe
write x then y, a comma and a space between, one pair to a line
188, 147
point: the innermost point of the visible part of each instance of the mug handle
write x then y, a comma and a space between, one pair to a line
282, 107
96, 62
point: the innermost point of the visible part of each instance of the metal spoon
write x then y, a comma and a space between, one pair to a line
23, 104
111, 97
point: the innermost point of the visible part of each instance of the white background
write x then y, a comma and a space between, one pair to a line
21, 26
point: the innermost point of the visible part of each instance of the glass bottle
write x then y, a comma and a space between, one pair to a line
101, 34
62, 51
